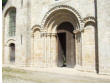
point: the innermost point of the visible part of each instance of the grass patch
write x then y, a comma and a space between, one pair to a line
8, 69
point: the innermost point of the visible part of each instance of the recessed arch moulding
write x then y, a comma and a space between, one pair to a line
58, 17
48, 31
59, 14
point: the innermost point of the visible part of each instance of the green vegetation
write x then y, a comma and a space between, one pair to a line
3, 3
7, 69
14, 75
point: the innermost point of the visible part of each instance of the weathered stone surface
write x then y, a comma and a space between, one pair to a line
36, 40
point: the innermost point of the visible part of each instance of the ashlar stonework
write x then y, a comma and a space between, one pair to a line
64, 33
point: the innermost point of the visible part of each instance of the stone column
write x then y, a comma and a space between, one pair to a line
78, 47
45, 50
48, 44
32, 50
50, 50
50, 57
54, 53
44, 36
47, 55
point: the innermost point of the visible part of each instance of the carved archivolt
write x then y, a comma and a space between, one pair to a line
90, 18
89, 21
10, 41
58, 8
36, 27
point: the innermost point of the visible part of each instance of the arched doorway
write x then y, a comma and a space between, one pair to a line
63, 46
12, 52
66, 45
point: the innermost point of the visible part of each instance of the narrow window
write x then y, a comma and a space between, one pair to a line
12, 22
12, 52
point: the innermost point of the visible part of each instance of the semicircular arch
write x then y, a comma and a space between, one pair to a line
10, 41
61, 11
8, 9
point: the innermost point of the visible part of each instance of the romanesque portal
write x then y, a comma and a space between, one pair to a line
62, 47
62, 33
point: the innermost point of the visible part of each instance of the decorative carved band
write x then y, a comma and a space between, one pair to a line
60, 7
89, 18
48, 34
36, 27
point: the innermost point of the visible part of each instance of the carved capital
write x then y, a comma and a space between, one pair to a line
48, 34
54, 34
78, 31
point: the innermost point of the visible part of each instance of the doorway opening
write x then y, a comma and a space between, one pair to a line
12, 52
66, 45
62, 48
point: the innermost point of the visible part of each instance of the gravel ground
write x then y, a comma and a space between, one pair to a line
11, 75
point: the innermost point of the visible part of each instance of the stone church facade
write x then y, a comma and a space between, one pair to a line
57, 33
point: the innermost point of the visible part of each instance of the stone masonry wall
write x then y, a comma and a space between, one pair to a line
103, 12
